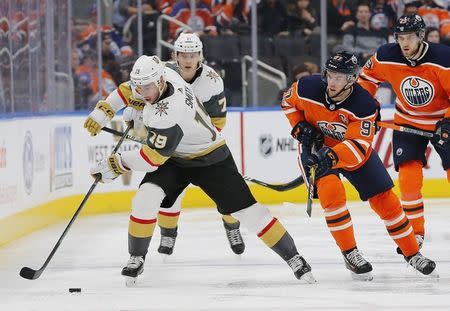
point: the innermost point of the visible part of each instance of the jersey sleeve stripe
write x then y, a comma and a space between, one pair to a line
353, 150
358, 145
369, 79
290, 110
147, 154
122, 96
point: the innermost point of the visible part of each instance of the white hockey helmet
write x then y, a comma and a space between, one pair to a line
148, 70
188, 43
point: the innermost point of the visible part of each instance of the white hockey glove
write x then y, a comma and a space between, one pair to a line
109, 168
99, 117
132, 114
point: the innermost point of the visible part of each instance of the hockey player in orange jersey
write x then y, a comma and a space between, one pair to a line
419, 73
336, 116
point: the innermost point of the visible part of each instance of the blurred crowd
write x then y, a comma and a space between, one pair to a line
358, 26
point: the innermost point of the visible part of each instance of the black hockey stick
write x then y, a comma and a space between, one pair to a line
32, 274
118, 133
278, 187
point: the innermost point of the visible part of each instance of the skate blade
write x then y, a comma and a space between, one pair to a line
366, 277
130, 281
307, 278
164, 257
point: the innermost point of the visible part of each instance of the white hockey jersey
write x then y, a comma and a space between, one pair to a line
178, 126
208, 88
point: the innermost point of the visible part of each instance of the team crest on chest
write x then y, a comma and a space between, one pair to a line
417, 91
212, 75
334, 130
161, 108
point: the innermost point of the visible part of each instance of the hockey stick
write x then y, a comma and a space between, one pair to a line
278, 187
311, 182
32, 274
405, 129
118, 133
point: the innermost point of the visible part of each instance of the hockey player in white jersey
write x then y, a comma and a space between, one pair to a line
208, 88
183, 147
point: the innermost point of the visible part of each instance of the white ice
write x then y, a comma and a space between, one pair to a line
203, 273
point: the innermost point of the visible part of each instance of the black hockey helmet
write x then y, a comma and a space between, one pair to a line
410, 23
342, 62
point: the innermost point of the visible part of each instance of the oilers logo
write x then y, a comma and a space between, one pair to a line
334, 130
416, 91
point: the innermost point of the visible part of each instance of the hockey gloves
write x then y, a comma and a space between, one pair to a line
442, 133
324, 160
99, 117
109, 168
131, 114
306, 134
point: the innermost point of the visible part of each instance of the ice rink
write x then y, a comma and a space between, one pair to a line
203, 273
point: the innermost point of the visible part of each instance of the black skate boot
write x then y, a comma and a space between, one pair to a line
167, 243
419, 238
355, 262
422, 264
234, 237
134, 267
301, 268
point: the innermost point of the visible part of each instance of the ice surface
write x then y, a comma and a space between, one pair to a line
203, 273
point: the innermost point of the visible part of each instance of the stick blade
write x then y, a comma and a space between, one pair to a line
29, 274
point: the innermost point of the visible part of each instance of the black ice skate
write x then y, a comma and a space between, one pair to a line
234, 237
134, 267
419, 239
422, 264
167, 243
360, 268
302, 270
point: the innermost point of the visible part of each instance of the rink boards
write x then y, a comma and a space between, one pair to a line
45, 161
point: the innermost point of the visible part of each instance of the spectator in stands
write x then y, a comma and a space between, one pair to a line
339, 16
412, 7
203, 23
109, 62
272, 18
233, 18
302, 19
361, 39
432, 35
118, 17
165, 6
87, 73
383, 15
434, 15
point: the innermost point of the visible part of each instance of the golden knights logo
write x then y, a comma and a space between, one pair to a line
417, 91
161, 108
334, 130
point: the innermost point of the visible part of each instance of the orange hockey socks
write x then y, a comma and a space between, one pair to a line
332, 198
388, 207
411, 181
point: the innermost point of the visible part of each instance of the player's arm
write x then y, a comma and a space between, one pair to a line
292, 106
357, 144
443, 125
105, 110
216, 106
371, 75
161, 143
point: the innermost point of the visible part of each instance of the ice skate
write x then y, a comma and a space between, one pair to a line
302, 269
419, 238
134, 267
423, 264
167, 243
359, 267
234, 237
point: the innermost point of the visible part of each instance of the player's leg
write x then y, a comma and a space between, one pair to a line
145, 206
223, 183
332, 198
409, 158
233, 234
168, 216
375, 185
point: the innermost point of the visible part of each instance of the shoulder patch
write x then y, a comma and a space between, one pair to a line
161, 108
212, 75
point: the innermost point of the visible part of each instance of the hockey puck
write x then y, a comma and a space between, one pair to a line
75, 290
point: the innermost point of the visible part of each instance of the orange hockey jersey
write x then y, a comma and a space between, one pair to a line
348, 126
423, 90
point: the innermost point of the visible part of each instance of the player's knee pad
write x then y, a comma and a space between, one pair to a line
410, 177
255, 218
386, 205
331, 192
146, 202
